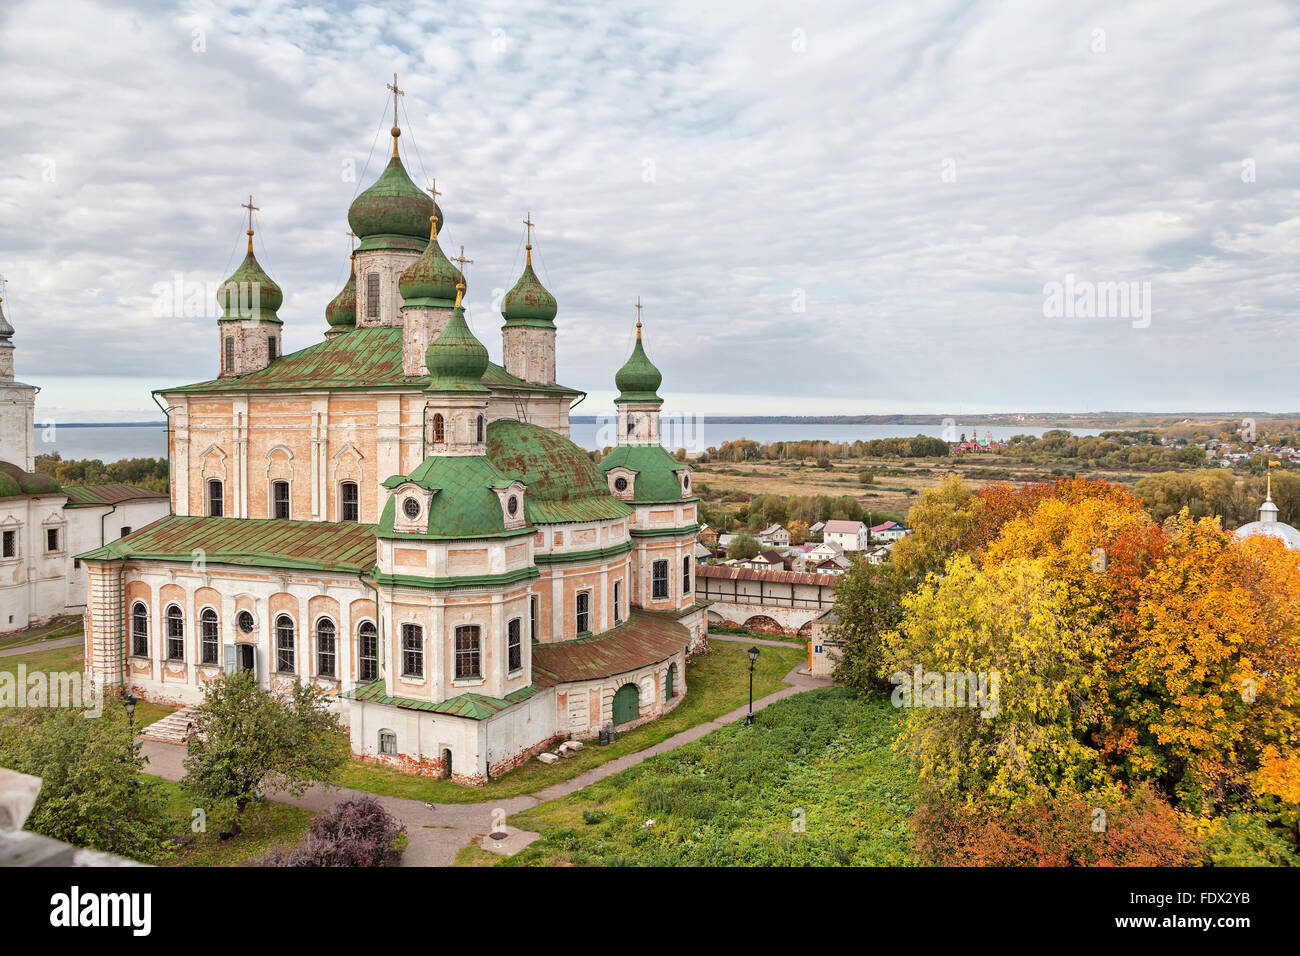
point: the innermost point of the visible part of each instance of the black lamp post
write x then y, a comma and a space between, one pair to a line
753, 659
129, 704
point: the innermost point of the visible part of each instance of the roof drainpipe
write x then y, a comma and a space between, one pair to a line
121, 623
379, 622
102, 540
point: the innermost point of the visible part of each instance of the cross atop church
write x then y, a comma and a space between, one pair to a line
528, 221
396, 91
638, 317
251, 209
463, 262
352, 237
433, 190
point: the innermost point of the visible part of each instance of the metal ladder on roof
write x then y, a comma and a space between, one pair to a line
521, 411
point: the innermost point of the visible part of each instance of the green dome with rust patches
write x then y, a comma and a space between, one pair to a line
250, 295
466, 504
528, 303
393, 211
341, 313
16, 483
638, 380
563, 482
456, 359
657, 472
430, 280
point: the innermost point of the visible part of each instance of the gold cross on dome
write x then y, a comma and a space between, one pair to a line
528, 221
433, 189
352, 239
396, 93
251, 209
463, 261
638, 317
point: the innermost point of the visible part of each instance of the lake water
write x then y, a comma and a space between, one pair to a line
112, 442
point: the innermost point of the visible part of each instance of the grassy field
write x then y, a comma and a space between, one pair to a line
716, 682
892, 493
65, 626
265, 824
73, 659
814, 782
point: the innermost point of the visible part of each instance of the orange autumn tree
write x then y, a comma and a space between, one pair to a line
1211, 678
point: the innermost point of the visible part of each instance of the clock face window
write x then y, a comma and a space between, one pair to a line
411, 508
620, 484
512, 505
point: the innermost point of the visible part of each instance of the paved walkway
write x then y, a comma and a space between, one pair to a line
42, 646
436, 832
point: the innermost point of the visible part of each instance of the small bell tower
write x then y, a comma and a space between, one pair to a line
249, 329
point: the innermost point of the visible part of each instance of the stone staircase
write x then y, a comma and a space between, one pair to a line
172, 728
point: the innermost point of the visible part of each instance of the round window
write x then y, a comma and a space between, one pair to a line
411, 508
512, 505
245, 622
620, 483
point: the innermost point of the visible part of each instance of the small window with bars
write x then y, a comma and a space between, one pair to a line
514, 645
230, 353
51, 539
216, 499
367, 652
175, 634
659, 580
372, 295
284, 644
209, 633
350, 496
412, 650
139, 629
686, 574
583, 616
618, 601
9, 547
326, 648
280, 500
388, 743
467, 652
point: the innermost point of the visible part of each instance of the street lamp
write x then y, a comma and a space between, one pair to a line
129, 704
753, 659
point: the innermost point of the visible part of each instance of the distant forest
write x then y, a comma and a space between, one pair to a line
148, 473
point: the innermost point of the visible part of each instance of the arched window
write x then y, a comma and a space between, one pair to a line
326, 648
631, 424
618, 601
367, 652
216, 498
230, 353
350, 499
583, 612
514, 645
271, 349
686, 574
280, 500
467, 652
284, 644
670, 690
480, 429
209, 633
439, 429
139, 629
175, 633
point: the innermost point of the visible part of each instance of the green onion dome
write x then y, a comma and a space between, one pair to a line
638, 380
456, 359
341, 313
249, 295
394, 208
528, 303
431, 279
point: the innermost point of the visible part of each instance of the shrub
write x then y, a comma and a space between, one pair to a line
357, 832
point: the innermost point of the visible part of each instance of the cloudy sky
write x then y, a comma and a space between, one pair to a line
831, 207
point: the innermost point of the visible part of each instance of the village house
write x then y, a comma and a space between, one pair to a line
774, 536
769, 560
887, 531
846, 535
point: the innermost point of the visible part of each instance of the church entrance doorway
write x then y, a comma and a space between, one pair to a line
627, 704
244, 655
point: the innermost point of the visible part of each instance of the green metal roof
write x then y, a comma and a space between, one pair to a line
656, 472
563, 482
255, 542
472, 706
364, 358
645, 638
430, 280
341, 313
83, 496
392, 208
466, 504
250, 294
456, 359
528, 303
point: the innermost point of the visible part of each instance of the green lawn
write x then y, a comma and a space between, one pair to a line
266, 823
73, 659
716, 682
66, 626
814, 782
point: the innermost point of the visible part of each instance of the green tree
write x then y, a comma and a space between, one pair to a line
742, 548
249, 739
91, 792
868, 604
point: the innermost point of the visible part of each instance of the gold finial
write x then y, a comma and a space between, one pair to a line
528, 246
251, 209
433, 220
396, 131
638, 318
352, 254
460, 285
